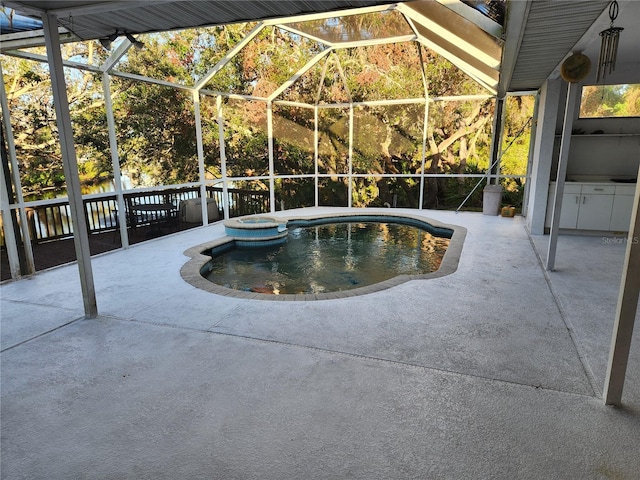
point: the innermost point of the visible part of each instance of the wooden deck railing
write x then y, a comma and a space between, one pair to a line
52, 221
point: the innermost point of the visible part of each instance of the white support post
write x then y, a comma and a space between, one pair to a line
9, 232
496, 141
625, 312
424, 149
70, 164
272, 193
532, 139
223, 158
113, 140
425, 86
15, 173
316, 139
572, 98
200, 147
115, 160
542, 147
350, 178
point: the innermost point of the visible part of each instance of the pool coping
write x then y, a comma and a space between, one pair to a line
190, 271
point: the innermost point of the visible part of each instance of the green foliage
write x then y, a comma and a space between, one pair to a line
610, 101
156, 131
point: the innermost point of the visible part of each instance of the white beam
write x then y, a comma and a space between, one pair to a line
542, 153
493, 174
377, 41
32, 38
223, 158
232, 96
529, 170
446, 35
70, 165
227, 58
115, 160
572, 98
343, 77
316, 149
298, 74
350, 178
482, 78
293, 104
460, 98
304, 34
425, 126
330, 14
43, 59
323, 74
117, 54
625, 311
200, 149
517, 14
272, 193
30, 267
7, 226
140, 78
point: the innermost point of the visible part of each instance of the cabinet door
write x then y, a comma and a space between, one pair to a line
595, 212
621, 214
569, 210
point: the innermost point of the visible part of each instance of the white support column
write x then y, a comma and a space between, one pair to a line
543, 148
424, 149
15, 173
496, 141
425, 87
350, 188
527, 184
70, 164
316, 139
115, 160
272, 192
572, 98
625, 312
223, 158
9, 232
200, 147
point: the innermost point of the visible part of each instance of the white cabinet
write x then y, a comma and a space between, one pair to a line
570, 210
622, 208
593, 206
596, 204
570, 205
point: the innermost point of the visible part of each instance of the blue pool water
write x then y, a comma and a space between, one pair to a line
321, 258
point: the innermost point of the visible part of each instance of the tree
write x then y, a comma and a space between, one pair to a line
155, 124
30, 99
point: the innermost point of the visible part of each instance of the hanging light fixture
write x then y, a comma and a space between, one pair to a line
107, 41
609, 47
136, 43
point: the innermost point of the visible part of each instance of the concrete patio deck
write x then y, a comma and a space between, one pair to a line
495, 371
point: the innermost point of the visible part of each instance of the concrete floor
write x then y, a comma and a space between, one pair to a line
493, 372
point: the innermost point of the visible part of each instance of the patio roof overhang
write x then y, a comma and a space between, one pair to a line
538, 35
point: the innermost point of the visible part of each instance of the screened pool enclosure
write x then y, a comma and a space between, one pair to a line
388, 106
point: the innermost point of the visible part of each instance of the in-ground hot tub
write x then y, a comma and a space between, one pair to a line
323, 256
254, 231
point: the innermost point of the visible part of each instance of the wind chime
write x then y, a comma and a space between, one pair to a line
609, 47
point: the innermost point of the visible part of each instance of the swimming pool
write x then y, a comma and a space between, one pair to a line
327, 256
